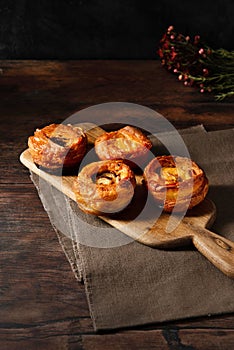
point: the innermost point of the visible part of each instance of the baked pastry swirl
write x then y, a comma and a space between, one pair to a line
57, 146
128, 143
176, 182
104, 187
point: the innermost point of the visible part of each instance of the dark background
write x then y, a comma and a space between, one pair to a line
77, 29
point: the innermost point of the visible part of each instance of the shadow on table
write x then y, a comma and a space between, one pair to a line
223, 198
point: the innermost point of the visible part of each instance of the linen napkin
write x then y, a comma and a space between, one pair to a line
134, 284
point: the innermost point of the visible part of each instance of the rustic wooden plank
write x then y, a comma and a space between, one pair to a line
126, 340
66, 342
63, 334
51, 337
166, 339
57, 89
204, 339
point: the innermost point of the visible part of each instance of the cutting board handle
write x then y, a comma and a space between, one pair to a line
218, 250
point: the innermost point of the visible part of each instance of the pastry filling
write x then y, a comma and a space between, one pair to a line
59, 141
173, 174
126, 144
64, 136
106, 178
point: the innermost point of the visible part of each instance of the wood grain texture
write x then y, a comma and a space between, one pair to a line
48, 90
41, 304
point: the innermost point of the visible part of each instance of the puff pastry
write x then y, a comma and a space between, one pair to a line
57, 146
104, 187
165, 175
128, 143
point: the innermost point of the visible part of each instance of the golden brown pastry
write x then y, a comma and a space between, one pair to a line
128, 143
165, 175
57, 146
104, 187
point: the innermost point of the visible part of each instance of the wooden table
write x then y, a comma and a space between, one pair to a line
41, 304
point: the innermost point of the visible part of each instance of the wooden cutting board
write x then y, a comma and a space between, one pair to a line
143, 221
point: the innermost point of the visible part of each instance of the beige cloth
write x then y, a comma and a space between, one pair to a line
134, 284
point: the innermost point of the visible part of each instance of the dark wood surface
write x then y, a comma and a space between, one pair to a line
42, 306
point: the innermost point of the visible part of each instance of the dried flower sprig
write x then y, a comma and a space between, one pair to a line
197, 64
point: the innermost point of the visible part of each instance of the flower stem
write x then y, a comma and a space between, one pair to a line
197, 64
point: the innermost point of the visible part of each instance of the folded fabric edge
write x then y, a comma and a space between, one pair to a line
105, 328
64, 241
